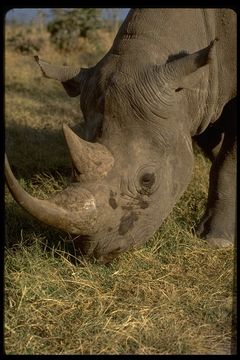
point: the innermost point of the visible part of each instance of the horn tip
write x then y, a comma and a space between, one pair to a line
6, 160
42, 64
68, 133
65, 128
214, 41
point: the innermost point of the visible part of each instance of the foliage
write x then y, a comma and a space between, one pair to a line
25, 42
67, 26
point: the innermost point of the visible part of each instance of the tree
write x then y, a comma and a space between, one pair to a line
69, 24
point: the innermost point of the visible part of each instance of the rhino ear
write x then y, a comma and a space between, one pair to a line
190, 62
71, 77
181, 72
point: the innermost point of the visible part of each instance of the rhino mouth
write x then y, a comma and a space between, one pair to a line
107, 257
86, 247
103, 247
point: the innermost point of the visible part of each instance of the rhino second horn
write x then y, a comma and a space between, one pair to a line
71, 210
92, 160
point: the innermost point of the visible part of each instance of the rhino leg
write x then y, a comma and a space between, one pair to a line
218, 223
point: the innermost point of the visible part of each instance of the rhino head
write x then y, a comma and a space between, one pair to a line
136, 159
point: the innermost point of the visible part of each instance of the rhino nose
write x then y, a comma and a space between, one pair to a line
108, 257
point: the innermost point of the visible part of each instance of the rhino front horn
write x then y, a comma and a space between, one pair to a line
90, 160
72, 210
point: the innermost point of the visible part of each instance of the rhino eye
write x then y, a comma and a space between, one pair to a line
146, 181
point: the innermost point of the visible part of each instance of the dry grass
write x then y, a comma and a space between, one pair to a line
144, 303
173, 296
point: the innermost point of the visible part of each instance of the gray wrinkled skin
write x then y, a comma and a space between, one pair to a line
145, 101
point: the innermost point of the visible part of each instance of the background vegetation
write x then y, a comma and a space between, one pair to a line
172, 296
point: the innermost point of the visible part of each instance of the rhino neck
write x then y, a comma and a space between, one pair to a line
218, 83
149, 36
152, 32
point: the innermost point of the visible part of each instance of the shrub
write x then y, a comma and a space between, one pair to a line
24, 42
67, 26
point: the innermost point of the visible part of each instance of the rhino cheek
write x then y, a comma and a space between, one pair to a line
133, 230
127, 222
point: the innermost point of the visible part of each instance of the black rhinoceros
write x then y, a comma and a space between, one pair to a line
165, 80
